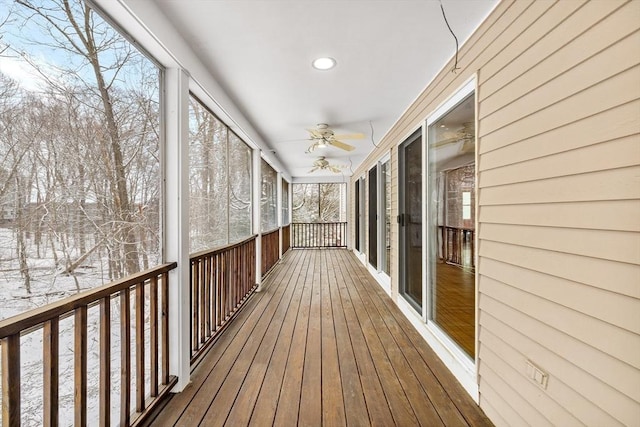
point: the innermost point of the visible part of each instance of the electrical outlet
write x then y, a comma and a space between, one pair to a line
537, 375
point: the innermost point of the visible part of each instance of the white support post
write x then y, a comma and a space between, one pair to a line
176, 221
346, 198
279, 210
290, 201
257, 213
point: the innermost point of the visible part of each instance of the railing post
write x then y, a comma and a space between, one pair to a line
10, 348
176, 227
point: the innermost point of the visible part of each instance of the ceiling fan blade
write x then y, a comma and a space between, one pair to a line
443, 142
315, 134
350, 136
468, 146
312, 147
335, 169
342, 145
313, 170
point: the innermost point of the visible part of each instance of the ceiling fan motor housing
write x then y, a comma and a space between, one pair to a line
323, 129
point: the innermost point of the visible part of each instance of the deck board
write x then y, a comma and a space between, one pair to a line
322, 344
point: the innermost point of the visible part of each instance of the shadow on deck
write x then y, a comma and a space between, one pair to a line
322, 344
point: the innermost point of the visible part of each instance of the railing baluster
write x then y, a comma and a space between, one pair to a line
10, 347
218, 282
125, 357
48, 319
50, 355
317, 235
194, 305
201, 300
153, 332
207, 296
80, 366
165, 328
140, 347
234, 278
105, 362
222, 283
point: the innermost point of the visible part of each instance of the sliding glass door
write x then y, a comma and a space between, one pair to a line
379, 216
451, 184
410, 219
373, 217
357, 215
361, 223
384, 178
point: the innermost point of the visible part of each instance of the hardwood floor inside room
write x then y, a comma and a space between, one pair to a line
322, 344
455, 304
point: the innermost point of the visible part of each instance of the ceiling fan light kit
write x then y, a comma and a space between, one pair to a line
321, 163
323, 136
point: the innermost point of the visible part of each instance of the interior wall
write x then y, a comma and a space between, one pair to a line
558, 207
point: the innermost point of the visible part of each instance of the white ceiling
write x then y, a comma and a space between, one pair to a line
260, 52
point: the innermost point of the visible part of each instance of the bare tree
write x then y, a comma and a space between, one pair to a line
74, 29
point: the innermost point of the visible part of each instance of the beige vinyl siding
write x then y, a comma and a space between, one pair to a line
558, 270
566, 184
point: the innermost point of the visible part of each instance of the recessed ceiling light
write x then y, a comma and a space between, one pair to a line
323, 64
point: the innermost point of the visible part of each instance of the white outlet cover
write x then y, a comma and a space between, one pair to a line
537, 375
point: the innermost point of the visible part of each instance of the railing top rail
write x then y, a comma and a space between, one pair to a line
270, 231
32, 318
215, 251
314, 223
457, 228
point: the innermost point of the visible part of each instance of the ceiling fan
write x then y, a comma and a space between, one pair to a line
323, 164
464, 135
322, 136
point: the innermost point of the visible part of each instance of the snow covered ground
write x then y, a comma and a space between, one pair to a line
48, 286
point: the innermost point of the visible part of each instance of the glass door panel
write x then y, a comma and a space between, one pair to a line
373, 217
451, 223
357, 216
410, 219
385, 223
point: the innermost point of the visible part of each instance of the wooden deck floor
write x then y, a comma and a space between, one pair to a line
321, 345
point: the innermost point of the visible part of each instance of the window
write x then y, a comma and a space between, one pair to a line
80, 181
269, 200
208, 179
239, 189
466, 205
220, 182
319, 202
285, 202
79, 154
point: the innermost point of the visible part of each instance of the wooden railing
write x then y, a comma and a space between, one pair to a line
93, 308
270, 250
221, 282
319, 235
286, 238
457, 245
